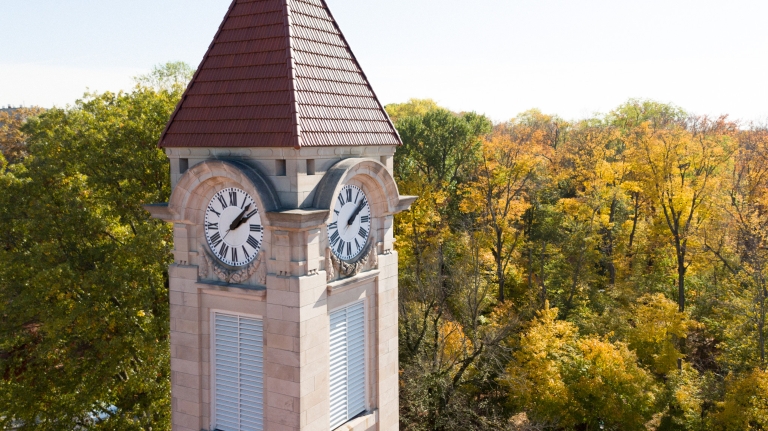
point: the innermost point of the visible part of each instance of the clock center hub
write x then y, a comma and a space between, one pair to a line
348, 231
235, 237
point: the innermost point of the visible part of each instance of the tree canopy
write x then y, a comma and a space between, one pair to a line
572, 275
606, 273
83, 270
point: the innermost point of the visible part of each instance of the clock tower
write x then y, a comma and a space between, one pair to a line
284, 287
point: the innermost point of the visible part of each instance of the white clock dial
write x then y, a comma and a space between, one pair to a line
233, 227
350, 224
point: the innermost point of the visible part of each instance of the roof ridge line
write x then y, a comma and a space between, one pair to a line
194, 76
292, 67
360, 67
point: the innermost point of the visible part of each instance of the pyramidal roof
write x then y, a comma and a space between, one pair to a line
279, 73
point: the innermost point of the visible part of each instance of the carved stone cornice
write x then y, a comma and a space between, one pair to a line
339, 269
208, 264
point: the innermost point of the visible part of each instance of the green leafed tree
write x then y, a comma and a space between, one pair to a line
83, 282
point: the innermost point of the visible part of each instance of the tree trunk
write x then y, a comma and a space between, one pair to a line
500, 264
574, 284
530, 266
680, 248
681, 281
634, 222
541, 275
761, 325
609, 252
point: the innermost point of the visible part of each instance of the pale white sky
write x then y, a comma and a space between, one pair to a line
498, 57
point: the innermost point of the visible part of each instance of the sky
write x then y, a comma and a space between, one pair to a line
496, 57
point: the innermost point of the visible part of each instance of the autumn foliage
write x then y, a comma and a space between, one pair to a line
607, 273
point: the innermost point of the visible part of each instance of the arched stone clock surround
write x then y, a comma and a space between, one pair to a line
189, 200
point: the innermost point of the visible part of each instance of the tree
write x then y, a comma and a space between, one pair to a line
450, 328
83, 283
746, 404
510, 163
413, 108
440, 145
169, 77
748, 213
13, 143
656, 323
570, 381
681, 166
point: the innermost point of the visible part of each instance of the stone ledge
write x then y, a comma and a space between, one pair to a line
298, 219
160, 211
349, 283
360, 423
404, 203
235, 290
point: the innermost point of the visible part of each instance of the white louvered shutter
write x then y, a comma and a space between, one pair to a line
238, 379
347, 364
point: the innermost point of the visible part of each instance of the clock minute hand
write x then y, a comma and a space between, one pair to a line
356, 212
242, 222
238, 220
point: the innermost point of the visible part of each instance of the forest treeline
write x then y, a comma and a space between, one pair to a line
607, 273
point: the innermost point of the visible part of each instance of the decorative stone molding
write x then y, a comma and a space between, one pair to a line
204, 266
242, 275
342, 171
330, 271
336, 267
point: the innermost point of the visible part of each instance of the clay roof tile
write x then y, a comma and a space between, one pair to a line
279, 73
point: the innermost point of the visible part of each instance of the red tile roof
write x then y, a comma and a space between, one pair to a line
279, 73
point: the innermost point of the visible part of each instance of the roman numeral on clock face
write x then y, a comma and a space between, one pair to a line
210, 208
233, 198
256, 228
223, 250
212, 226
216, 239
222, 201
234, 255
253, 242
363, 233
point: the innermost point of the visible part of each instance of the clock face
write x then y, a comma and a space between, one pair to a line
350, 223
233, 227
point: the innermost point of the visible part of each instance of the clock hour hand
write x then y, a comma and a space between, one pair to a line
243, 221
239, 219
355, 213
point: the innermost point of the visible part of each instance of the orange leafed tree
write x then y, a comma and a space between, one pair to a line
12, 140
513, 157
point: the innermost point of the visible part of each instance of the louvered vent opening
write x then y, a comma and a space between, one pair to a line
347, 364
238, 379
